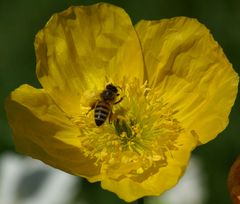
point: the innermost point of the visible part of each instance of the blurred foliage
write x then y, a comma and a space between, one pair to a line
20, 21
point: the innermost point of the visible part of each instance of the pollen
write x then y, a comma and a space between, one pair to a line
140, 138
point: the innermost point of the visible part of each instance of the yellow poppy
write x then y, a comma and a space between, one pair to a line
173, 90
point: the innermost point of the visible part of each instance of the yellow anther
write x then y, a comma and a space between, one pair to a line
140, 170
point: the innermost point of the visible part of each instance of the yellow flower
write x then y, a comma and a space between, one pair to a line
177, 88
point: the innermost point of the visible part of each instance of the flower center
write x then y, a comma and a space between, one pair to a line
142, 132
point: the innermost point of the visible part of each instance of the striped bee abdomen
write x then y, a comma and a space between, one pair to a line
101, 112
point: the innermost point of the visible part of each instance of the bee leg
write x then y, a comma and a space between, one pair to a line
92, 107
118, 101
89, 110
112, 117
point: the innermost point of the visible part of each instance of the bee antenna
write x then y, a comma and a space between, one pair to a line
119, 87
106, 79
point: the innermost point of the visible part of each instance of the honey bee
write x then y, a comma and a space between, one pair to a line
103, 106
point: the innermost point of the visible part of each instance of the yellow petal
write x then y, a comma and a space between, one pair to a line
41, 130
84, 47
190, 69
158, 182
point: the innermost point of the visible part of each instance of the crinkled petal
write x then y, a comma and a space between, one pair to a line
83, 48
190, 69
41, 130
157, 182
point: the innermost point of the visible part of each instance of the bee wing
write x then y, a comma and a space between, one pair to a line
90, 98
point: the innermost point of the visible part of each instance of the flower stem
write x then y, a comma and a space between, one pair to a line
140, 201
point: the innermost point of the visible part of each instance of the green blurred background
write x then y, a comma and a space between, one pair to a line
20, 21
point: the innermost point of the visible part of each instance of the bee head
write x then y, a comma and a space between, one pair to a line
110, 93
112, 88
